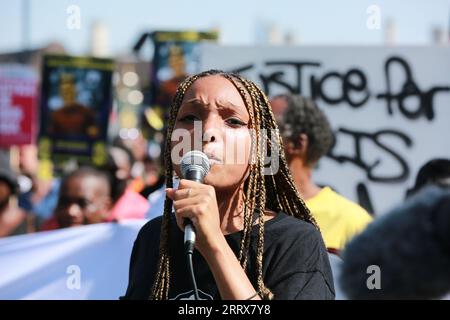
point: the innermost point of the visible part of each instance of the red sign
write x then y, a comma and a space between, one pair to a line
18, 95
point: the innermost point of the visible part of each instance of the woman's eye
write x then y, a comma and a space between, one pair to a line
188, 118
235, 122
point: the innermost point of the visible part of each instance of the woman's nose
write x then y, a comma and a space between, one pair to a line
211, 129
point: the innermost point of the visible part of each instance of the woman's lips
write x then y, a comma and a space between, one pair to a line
213, 159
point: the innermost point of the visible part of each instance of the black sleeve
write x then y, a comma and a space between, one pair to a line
143, 261
302, 269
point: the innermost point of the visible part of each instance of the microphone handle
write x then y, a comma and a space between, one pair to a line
194, 175
189, 237
189, 231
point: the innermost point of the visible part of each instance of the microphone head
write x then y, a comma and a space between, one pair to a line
195, 161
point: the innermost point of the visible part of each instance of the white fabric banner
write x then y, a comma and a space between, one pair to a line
89, 262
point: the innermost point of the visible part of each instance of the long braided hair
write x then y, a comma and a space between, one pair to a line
275, 191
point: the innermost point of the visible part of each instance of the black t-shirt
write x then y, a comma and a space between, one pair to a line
295, 262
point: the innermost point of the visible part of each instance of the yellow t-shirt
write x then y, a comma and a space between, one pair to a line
339, 219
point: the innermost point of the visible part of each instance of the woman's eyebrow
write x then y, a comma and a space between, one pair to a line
195, 101
227, 104
231, 106
192, 103
224, 105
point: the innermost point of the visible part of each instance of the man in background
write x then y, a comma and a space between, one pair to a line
434, 172
84, 198
307, 136
13, 219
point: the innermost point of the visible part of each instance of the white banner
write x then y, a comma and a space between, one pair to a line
389, 108
89, 262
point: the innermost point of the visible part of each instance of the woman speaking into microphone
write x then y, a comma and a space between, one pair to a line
255, 238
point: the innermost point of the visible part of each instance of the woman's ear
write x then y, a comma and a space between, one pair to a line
303, 143
298, 147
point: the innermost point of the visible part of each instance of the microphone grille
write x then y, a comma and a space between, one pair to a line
194, 160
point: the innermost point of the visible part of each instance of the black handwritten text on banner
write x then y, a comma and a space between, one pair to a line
389, 108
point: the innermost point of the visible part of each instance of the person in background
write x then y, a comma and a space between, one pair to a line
153, 177
434, 172
84, 198
307, 136
127, 203
38, 196
13, 219
137, 148
410, 248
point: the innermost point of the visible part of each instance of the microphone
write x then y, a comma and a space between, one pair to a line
194, 166
410, 248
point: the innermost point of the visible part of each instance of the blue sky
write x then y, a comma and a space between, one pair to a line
315, 21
